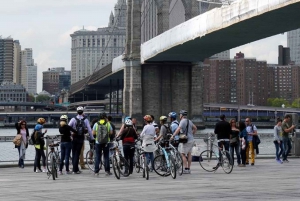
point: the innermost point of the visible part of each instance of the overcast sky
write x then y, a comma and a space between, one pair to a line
46, 25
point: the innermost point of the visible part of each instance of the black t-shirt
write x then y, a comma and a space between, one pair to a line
223, 130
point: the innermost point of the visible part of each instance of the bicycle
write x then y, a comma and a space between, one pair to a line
90, 158
119, 163
210, 161
164, 164
53, 157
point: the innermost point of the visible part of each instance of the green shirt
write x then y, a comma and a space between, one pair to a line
284, 126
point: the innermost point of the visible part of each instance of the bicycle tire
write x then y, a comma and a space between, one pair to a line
49, 162
160, 166
179, 163
137, 164
209, 160
90, 161
116, 167
147, 172
124, 165
172, 167
143, 166
226, 162
53, 168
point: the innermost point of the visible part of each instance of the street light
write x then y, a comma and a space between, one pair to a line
35, 95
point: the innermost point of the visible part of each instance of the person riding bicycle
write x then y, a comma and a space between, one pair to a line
39, 146
128, 137
78, 139
174, 125
66, 143
148, 135
103, 131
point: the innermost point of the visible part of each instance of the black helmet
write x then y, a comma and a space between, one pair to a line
183, 112
102, 115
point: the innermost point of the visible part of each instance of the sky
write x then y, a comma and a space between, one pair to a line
46, 25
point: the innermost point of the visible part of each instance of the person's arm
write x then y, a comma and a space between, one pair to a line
87, 124
254, 130
288, 130
276, 136
121, 130
176, 132
194, 129
161, 133
143, 132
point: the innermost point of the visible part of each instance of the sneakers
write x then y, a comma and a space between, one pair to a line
285, 161
44, 170
83, 168
38, 171
252, 164
96, 174
279, 161
247, 163
68, 172
242, 165
185, 172
108, 173
78, 172
60, 173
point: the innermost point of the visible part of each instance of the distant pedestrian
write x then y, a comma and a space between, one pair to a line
252, 131
243, 142
234, 142
22, 129
39, 146
278, 140
287, 128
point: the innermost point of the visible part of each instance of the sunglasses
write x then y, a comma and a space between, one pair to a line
246, 121
23, 124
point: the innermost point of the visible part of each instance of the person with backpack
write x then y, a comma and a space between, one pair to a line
66, 143
174, 125
252, 131
39, 144
82, 125
22, 130
103, 131
164, 130
128, 137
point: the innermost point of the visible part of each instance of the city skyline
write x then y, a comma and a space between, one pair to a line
47, 30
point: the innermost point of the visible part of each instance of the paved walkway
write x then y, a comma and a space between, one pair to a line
266, 180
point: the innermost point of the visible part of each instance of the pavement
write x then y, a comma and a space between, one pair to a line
266, 180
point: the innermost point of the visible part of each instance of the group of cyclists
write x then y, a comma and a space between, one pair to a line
102, 132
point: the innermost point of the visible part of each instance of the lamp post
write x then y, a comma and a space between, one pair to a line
35, 95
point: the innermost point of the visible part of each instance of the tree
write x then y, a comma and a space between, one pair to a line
270, 101
277, 102
30, 98
42, 98
296, 103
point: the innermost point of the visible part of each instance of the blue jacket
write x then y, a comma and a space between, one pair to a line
244, 134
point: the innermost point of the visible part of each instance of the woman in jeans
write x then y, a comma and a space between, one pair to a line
243, 141
22, 129
128, 137
234, 142
278, 140
39, 146
66, 144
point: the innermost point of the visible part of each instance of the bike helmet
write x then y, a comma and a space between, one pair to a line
163, 118
80, 110
183, 112
173, 115
148, 118
64, 117
102, 115
128, 122
128, 117
41, 120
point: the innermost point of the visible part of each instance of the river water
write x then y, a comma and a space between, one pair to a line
9, 153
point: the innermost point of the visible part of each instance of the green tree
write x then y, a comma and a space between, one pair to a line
270, 101
30, 98
296, 103
277, 102
42, 98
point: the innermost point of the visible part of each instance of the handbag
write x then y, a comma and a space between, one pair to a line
17, 140
183, 138
233, 141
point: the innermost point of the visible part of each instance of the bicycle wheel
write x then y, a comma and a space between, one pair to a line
49, 162
116, 167
172, 167
90, 159
124, 166
137, 165
226, 162
160, 166
179, 163
209, 160
143, 166
146, 171
53, 168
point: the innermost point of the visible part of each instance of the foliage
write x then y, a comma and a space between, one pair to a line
277, 102
296, 103
42, 98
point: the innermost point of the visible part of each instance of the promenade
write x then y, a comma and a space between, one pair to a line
267, 180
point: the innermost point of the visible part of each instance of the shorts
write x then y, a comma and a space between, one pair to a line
186, 148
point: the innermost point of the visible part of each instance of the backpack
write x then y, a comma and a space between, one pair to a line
31, 140
17, 140
168, 134
102, 134
80, 126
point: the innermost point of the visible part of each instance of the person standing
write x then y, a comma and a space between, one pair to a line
103, 131
252, 131
39, 146
82, 125
223, 131
234, 142
186, 127
278, 140
174, 125
22, 129
243, 142
286, 130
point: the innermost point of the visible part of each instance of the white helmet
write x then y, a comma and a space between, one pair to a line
128, 122
64, 117
80, 109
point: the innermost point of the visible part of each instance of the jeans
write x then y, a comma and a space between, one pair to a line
226, 146
150, 158
277, 146
65, 148
243, 155
287, 146
235, 147
39, 153
250, 148
128, 155
76, 148
21, 161
99, 149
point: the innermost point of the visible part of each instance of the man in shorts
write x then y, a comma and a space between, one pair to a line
187, 127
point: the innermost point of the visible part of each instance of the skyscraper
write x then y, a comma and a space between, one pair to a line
293, 42
28, 71
96, 49
283, 55
6, 59
17, 62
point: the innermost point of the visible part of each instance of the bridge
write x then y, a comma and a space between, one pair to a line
33, 106
164, 74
